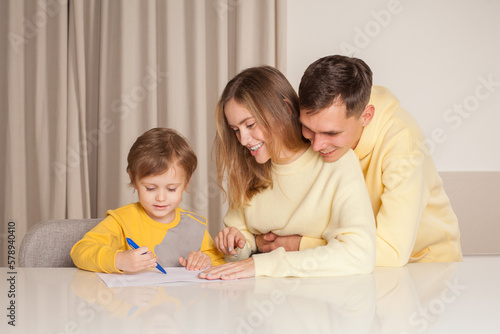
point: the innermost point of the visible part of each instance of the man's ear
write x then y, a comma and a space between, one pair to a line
367, 115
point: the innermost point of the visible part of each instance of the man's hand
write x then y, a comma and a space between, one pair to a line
270, 241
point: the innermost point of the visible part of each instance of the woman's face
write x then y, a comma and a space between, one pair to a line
247, 131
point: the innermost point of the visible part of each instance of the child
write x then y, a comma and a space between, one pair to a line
160, 166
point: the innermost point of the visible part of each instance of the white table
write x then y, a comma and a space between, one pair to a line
418, 298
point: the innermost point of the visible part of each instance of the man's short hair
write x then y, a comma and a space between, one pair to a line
333, 79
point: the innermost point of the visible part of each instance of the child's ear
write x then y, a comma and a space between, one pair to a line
132, 181
187, 185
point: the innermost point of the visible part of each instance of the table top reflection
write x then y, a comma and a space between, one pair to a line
418, 298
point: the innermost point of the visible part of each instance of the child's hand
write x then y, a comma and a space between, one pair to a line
197, 260
228, 239
135, 260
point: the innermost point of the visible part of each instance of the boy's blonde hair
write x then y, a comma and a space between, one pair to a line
158, 150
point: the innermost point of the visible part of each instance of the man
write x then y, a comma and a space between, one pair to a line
341, 110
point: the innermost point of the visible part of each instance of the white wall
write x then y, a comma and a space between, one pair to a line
434, 55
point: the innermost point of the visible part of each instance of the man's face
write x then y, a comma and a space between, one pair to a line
331, 133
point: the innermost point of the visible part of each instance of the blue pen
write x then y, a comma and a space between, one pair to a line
134, 246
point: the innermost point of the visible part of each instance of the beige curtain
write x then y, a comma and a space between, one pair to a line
81, 79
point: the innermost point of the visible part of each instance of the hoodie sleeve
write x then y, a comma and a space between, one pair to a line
208, 247
403, 202
97, 250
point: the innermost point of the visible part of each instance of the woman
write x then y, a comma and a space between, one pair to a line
277, 183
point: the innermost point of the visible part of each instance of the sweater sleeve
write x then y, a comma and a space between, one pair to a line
406, 194
208, 247
311, 242
236, 218
350, 237
97, 250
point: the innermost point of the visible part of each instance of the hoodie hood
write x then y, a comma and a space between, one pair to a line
385, 104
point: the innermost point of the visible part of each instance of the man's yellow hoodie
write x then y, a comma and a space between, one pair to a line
415, 221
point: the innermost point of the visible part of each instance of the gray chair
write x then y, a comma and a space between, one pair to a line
48, 243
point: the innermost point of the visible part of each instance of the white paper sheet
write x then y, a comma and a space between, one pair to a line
151, 277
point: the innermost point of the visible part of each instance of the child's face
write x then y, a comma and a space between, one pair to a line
159, 195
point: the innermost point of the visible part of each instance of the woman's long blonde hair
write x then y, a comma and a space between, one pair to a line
274, 104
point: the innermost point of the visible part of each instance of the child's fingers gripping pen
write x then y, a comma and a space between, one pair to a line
134, 246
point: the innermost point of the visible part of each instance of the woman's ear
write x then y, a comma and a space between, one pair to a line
288, 106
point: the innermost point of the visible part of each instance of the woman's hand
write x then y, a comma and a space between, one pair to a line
197, 260
232, 270
228, 239
135, 260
